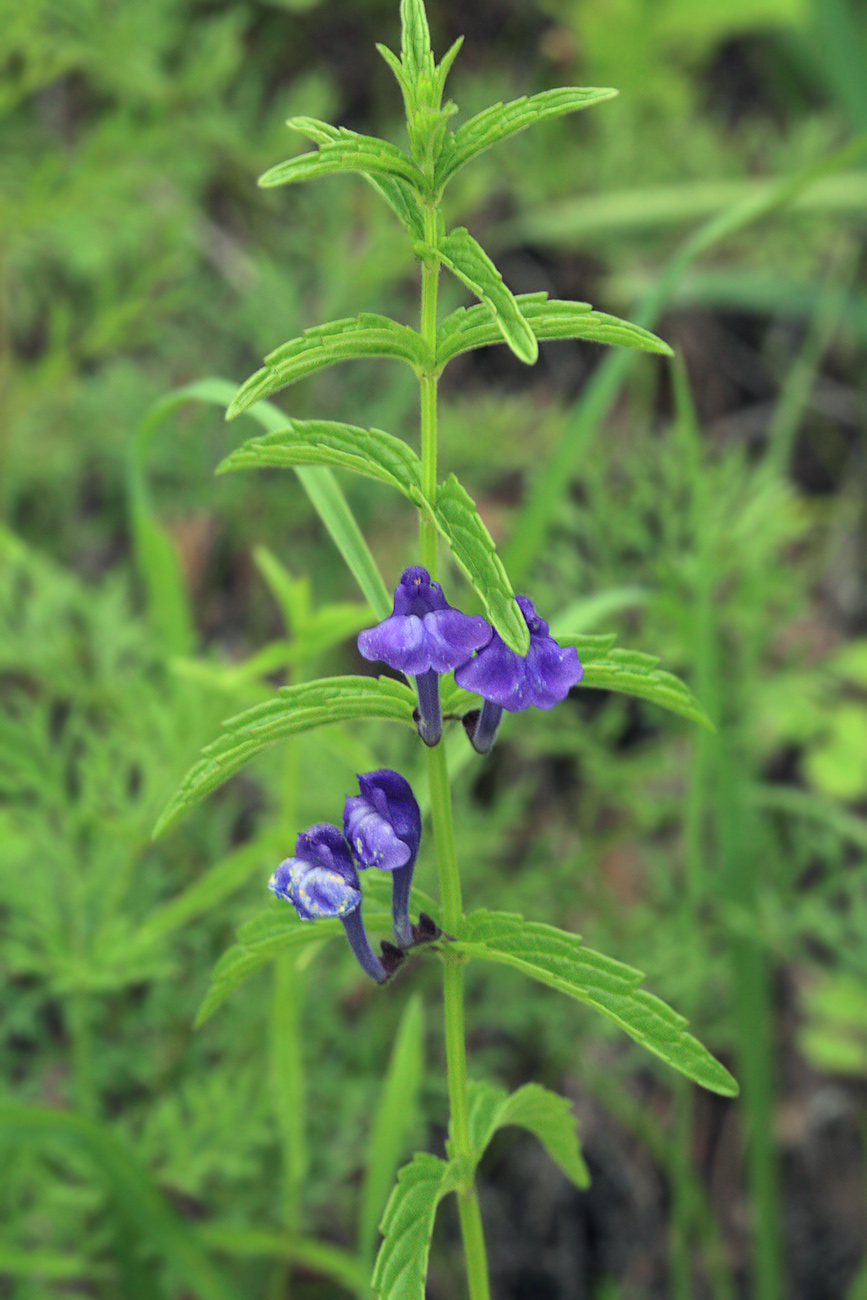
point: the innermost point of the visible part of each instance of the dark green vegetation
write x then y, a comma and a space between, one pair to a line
717, 522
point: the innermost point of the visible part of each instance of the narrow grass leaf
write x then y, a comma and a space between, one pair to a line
471, 544
407, 1225
545, 1114
365, 335
472, 327
318, 1256
370, 452
561, 961
134, 1198
467, 260
295, 709
395, 1115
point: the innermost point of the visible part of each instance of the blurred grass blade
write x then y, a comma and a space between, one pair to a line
318, 1256
395, 1116
317, 481
134, 1197
599, 396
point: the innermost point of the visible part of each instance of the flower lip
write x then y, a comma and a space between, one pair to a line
321, 880
541, 678
423, 633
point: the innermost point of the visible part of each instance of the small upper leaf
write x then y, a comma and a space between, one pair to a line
471, 544
534, 1108
295, 709
503, 120
347, 152
466, 259
401, 1265
472, 327
370, 452
366, 335
561, 961
415, 48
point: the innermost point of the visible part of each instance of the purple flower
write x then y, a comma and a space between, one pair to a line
541, 678
382, 826
424, 636
321, 880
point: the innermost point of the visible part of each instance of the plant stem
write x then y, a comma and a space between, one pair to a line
443, 830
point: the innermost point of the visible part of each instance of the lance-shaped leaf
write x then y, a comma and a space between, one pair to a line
347, 152
369, 452
543, 1113
472, 327
471, 544
398, 194
295, 709
407, 1225
466, 259
561, 961
633, 673
415, 48
367, 335
503, 120
275, 930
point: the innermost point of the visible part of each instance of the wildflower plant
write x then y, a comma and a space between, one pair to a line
454, 665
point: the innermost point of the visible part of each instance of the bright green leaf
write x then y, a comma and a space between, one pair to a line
472, 327
466, 259
295, 709
407, 1225
369, 452
394, 1116
367, 335
632, 673
561, 961
543, 1113
346, 152
415, 48
503, 120
471, 544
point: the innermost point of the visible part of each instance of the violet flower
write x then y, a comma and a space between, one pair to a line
423, 637
541, 678
321, 880
382, 826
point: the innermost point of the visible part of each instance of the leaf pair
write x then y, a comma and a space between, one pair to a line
407, 1225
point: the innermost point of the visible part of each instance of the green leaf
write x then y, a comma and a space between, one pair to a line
543, 1113
561, 961
401, 1265
472, 327
269, 934
633, 673
415, 48
503, 120
145, 1214
471, 544
369, 452
295, 709
466, 259
347, 151
394, 1117
366, 335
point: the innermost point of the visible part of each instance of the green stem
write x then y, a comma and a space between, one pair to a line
443, 830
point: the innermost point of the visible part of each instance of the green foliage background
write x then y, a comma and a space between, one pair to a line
723, 531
